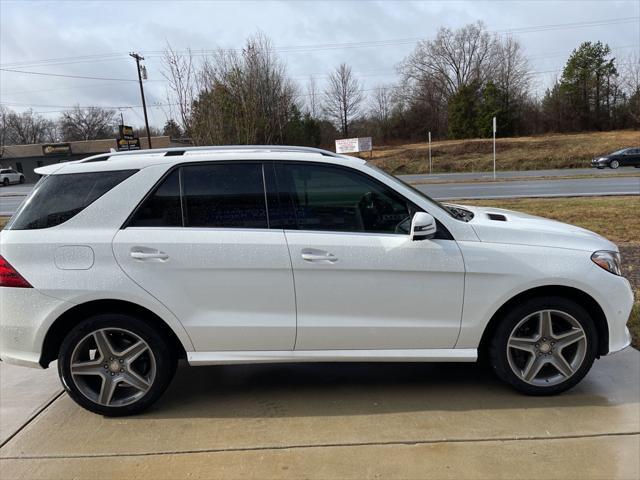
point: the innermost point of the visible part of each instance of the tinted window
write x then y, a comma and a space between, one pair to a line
338, 199
162, 207
57, 198
225, 195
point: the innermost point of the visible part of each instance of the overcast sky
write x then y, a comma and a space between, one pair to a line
93, 39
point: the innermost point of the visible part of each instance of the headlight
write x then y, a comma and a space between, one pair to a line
610, 261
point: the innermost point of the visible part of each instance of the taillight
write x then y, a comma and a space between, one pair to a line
9, 276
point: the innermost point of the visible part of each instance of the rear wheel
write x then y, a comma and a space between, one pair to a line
614, 164
115, 364
544, 346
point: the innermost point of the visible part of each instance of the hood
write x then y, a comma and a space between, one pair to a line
496, 225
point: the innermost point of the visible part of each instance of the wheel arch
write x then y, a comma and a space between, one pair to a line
583, 299
70, 318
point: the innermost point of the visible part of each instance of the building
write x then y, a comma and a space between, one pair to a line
26, 158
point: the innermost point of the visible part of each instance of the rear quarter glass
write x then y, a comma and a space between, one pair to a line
58, 198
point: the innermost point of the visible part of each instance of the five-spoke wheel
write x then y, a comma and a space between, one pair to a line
544, 346
115, 364
113, 367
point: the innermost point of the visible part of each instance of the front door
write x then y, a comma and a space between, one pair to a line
210, 257
360, 282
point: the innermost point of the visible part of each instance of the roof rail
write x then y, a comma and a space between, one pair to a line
218, 148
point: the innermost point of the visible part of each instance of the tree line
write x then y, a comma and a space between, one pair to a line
451, 85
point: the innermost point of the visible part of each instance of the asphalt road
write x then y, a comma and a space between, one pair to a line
565, 172
611, 183
534, 188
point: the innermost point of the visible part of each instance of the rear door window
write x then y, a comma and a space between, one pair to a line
224, 196
219, 195
162, 208
58, 198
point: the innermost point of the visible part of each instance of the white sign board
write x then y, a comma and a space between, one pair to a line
349, 145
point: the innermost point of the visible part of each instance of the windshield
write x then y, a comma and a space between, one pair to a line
620, 152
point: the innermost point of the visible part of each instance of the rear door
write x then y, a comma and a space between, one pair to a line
202, 245
361, 282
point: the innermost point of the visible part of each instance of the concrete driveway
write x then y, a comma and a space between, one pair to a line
346, 421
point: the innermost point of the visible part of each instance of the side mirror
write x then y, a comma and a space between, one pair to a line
423, 226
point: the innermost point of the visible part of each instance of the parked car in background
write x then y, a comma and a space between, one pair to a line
118, 265
8, 176
627, 157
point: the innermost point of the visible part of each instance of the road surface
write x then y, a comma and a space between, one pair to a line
565, 172
534, 188
611, 183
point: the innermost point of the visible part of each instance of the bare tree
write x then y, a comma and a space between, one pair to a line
180, 72
25, 128
453, 59
312, 97
87, 123
630, 73
631, 85
343, 98
244, 96
380, 109
512, 71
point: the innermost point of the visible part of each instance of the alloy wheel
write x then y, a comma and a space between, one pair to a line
546, 348
614, 164
113, 367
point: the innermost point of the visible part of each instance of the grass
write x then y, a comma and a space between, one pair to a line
517, 153
613, 217
3, 222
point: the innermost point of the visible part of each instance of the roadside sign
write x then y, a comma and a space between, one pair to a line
350, 145
494, 124
56, 149
123, 144
126, 132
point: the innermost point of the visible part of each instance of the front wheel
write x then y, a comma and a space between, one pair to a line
5, 182
544, 346
614, 164
21, 179
115, 364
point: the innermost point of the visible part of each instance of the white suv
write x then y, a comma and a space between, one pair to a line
118, 265
8, 176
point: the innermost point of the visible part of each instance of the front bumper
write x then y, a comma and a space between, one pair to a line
596, 163
617, 309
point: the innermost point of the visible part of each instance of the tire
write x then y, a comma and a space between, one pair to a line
614, 164
21, 179
5, 182
510, 363
151, 370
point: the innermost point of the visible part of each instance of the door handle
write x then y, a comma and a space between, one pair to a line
318, 256
157, 255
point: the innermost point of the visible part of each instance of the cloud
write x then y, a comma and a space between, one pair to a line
31, 31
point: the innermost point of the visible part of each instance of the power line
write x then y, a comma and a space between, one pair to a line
68, 76
317, 47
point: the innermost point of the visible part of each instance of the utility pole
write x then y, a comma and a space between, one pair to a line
494, 148
430, 153
144, 104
